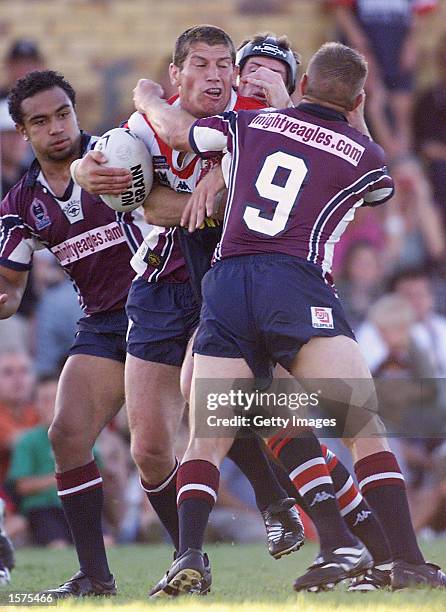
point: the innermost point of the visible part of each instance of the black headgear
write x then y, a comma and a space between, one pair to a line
269, 47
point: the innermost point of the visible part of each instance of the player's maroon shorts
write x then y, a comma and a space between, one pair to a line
264, 308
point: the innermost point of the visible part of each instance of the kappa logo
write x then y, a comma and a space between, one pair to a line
183, 187
40, 214
362, 516
321, 317
321, 497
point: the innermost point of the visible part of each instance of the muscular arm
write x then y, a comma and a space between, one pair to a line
12, 287
164, 206
172, 124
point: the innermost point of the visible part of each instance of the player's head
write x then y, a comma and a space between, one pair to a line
203, 69
271, 52
42, 105
335, 75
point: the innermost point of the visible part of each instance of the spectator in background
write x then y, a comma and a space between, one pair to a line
57, 313
13, 151
22, 57
16, 410
360, 282
429, 331
32, 474
429, 124
385, 33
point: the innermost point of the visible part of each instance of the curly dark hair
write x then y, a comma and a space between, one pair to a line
32, 84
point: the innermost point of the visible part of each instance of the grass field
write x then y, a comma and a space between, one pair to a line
245, 579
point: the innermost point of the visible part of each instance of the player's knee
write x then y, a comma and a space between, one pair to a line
65, 439
151, 456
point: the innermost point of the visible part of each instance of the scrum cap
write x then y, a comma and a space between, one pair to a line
269, 47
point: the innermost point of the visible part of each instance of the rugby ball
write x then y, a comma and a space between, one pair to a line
123, 149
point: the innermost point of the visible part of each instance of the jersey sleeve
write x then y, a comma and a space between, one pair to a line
213, 134
139, 125
17, 242
380, 188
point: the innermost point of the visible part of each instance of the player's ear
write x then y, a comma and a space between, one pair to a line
358, 101
21, 130
303, 85
174, 74
235, 76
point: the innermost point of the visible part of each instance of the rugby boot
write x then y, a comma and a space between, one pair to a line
284, 528
333, 566
81, 585
408, 575
189, 574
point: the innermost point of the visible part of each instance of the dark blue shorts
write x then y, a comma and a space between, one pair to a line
102, 334
264, 308
162, 318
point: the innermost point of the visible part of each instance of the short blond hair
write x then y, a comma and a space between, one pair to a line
336, 73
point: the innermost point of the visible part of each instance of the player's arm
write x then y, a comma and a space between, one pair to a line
164, 206
172, 124
93, 176
12, 288
207, 200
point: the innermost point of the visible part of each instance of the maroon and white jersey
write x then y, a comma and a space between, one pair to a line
160, 256
92, 242
297, 177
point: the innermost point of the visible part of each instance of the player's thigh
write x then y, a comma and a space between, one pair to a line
335, 369
90, 393
214, 378
187, 371
153, 400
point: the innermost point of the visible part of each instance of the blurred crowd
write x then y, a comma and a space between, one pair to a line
389, 269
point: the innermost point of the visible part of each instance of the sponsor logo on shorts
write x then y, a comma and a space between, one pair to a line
321, 317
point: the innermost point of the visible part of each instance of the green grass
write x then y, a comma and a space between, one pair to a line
245, 579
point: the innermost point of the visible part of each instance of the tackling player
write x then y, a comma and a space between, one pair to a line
94, 245
284, 215
162, 306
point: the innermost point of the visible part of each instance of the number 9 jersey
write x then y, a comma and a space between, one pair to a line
276, 201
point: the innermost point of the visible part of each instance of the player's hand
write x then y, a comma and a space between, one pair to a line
202, 202
146, 91
94, 177
272, 84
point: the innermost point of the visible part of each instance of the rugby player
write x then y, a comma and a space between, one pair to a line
267, 254
163, 309
94, 245
271, 80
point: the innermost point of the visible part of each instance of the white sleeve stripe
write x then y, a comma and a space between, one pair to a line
378, 194
209, 139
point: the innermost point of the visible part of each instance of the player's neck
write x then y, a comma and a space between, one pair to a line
57, 173
313, 100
